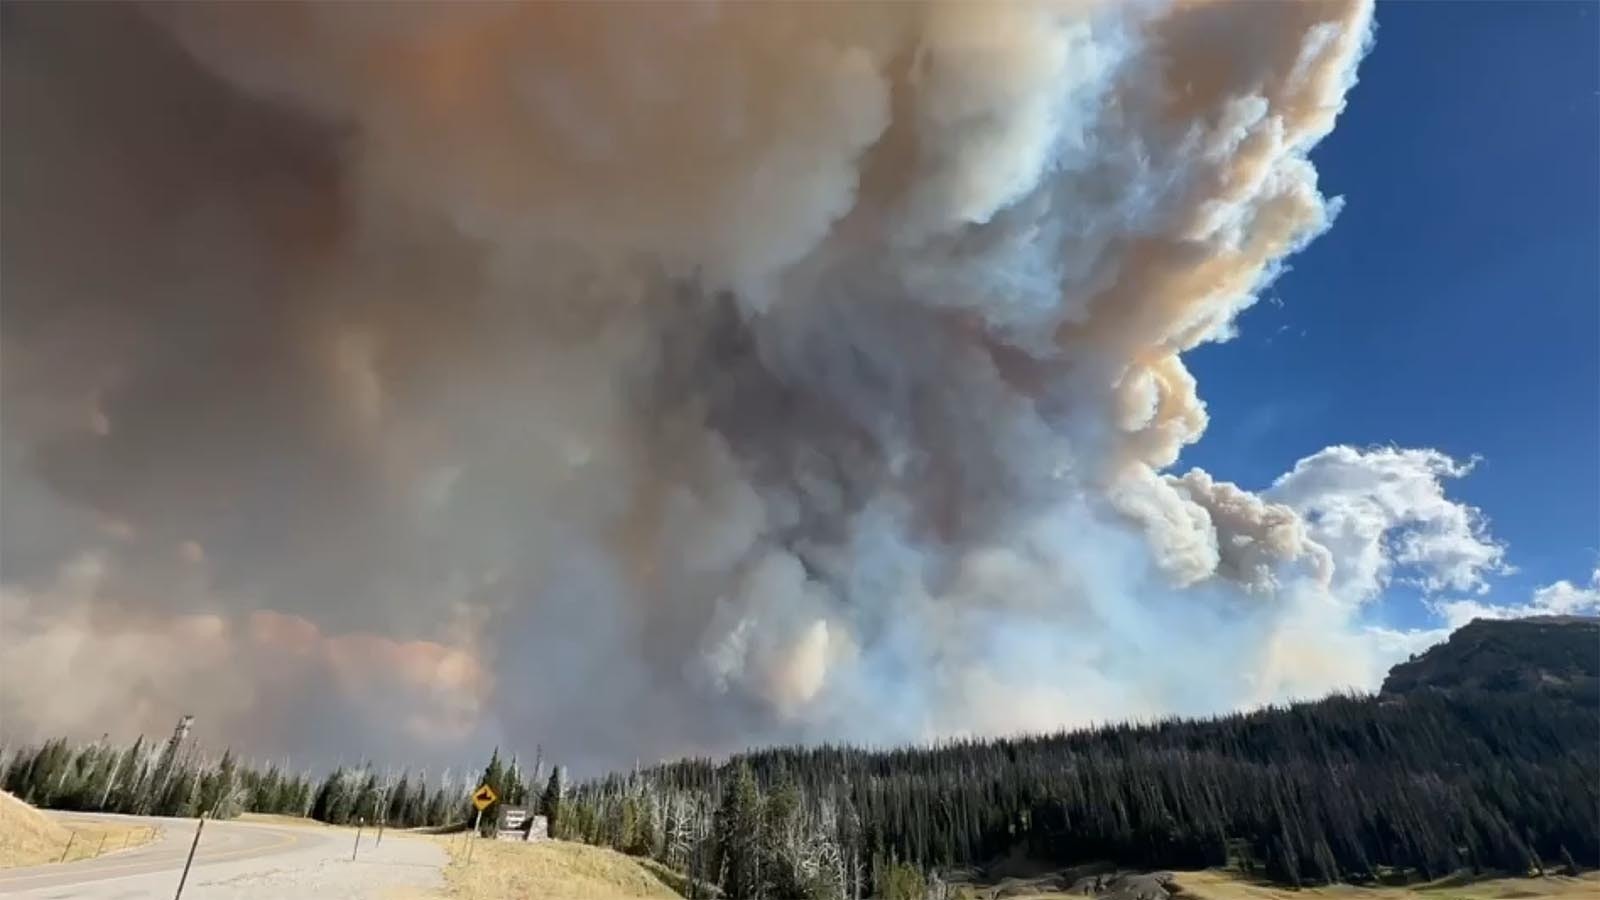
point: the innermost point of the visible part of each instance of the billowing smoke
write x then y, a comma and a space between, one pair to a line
669, 377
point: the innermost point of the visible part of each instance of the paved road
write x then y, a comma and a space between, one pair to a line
240, 861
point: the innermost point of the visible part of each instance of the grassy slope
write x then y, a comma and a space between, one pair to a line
1214, 885
502, 869
558, 869
28, 838
578, 871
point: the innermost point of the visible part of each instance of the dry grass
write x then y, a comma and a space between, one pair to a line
29, 838
1216, 885
556, 870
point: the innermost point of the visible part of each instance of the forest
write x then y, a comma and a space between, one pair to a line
177, 779
1480, 754
1344, 789
1414, 782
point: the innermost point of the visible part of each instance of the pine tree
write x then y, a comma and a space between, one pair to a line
394, 812
330, 803
516, 793
782, 846
364, 805
439, 808
551, 801
737, 829
417, 804
97, 788
216, 798
495, 777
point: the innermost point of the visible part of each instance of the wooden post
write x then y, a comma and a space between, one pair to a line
380, 834
190, 861
71, 836
359, 823
102, 843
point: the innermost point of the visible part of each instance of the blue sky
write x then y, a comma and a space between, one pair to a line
1456, 302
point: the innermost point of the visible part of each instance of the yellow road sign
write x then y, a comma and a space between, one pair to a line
483, 796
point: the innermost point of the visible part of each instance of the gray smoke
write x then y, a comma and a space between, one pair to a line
667, 378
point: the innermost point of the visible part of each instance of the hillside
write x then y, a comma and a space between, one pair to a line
1554, 655
1213, 885
551, 869
26, 836
1219, 884
29, 838
1480, 755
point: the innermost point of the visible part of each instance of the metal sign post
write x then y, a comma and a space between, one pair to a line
190, 861
481, 798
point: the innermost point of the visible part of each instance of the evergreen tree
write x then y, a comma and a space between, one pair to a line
516, 793
394, 811
330, 800
737, 827
364, 805
495, 777
417, 804
215, 791
551, 800
439, 808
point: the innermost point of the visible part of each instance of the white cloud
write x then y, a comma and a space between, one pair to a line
1562, 598
1384, 516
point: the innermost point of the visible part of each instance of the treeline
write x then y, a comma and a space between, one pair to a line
1344, 789
181, 780
143, 780
734, 838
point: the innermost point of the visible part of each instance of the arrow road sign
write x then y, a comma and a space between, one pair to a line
483, 796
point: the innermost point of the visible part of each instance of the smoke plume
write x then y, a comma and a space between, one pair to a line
664, 378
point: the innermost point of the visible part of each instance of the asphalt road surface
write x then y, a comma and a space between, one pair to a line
241, 861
